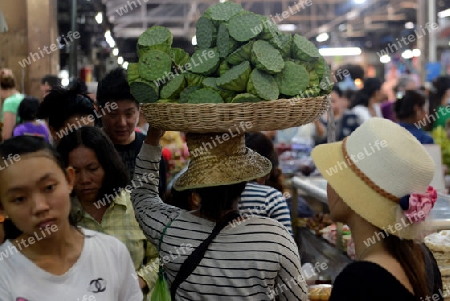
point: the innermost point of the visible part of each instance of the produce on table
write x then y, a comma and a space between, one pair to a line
318, 222
240, 57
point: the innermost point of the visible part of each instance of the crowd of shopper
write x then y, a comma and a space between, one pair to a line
87, 210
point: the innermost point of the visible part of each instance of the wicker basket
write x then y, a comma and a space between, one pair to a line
235, 117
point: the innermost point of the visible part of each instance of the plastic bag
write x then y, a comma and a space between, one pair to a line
161, 292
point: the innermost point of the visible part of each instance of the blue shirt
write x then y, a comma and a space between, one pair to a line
420, 134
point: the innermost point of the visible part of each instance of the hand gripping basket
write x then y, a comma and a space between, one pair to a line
235, 117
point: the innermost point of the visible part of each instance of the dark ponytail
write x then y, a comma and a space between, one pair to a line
62, 104
405, 106
411, 258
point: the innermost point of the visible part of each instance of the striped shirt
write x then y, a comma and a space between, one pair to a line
251, 259
265, 201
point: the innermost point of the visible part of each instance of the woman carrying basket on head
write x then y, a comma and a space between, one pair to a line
251, 258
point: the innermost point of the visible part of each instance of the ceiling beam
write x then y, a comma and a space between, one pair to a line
137, 31
341, 19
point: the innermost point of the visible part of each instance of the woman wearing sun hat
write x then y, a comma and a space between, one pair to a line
238, 258
378, 184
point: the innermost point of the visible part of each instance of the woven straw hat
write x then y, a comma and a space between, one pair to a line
379, 163
220, 159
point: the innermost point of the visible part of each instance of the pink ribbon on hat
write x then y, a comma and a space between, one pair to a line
417, 206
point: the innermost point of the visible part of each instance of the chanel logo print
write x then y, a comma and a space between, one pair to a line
97, 285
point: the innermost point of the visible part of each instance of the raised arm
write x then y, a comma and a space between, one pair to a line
151, 213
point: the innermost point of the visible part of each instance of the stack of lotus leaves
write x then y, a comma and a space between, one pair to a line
240, 57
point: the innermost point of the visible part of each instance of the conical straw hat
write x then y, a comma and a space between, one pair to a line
220, 159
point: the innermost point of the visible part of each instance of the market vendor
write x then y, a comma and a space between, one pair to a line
251, 257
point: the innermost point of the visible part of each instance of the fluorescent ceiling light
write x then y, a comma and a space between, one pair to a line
343, 51
125, 65
444, 13
63, 74
194, 40
115, 51
99, 18
385, 59
409, 25
359, 1
120, 60
416, 52
407, 54
287, 27
322, 37
109, 39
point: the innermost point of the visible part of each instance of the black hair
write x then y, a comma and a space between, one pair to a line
116, 174
52, 80
337, 90
62, 104
217, 200
261, 144
410, 255
7, 81
114, 87
28, 109
349, 94
78, 85
404, 106
179, 199
362, 97
22, 145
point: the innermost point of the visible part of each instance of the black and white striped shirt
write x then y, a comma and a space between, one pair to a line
252, 259
264, 200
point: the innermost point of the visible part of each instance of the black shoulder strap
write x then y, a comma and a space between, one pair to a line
197, 255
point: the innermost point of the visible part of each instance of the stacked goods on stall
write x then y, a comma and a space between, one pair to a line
243, 66
439, 245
